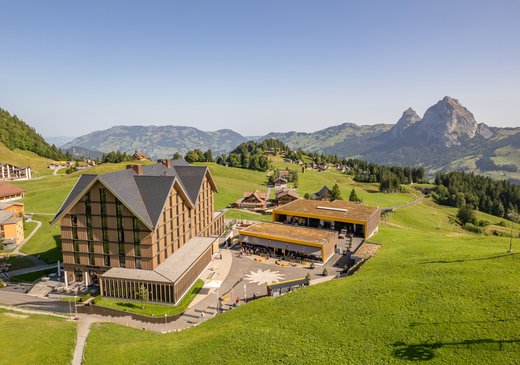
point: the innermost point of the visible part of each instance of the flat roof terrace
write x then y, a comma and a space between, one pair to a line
288, 233
171, 269
338, 210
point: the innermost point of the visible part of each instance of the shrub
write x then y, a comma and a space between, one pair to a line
466, 215
502, 224
84, 298
2, 283
497, 233
308, 277
325, 272
472, 228
96, 299
483, 223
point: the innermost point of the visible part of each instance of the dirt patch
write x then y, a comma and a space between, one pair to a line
14, 315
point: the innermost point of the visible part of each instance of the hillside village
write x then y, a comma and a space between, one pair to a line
172, 244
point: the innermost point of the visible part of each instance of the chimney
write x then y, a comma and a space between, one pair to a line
166, 162
137, 168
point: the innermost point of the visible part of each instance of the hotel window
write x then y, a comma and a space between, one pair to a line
137, 250
75, 245
105, 234
76, 257
122, 261
138, 263
121, 249
106, 260
88, 209
106, 248
75, 233
119, 217
74, 220
137, 230
91, 260
90, 235
91, 246
102, 195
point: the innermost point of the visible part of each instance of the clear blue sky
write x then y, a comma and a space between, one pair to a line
71, 67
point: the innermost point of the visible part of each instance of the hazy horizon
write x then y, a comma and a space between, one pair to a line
73, 68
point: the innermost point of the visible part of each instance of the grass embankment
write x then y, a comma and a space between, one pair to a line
17, 157
17, 262
46, 242
35, 339
433, 292
150, 309
32, 276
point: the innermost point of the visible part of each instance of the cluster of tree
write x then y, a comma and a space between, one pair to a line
364, 171
390, 178
15, 133
116, 157
196, 155
250, 155
458, 189
487, 164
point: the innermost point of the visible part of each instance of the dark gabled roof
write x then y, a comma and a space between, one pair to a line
82, 184
123, 185
144, 195
179, 162
192, 177
324, 190
154, 191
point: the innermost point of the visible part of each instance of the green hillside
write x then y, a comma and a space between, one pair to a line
16, 134
19, 157
433, 292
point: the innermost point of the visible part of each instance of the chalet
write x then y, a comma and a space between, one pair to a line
286, 196
9, 192
280, 183
139, 156
252, 200
324, 194
12, 172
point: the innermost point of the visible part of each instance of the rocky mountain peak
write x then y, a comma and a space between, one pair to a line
409, 118
448, 122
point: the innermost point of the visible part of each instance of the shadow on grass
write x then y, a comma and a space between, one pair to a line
512, 255
416, 324
426, 351
129, 305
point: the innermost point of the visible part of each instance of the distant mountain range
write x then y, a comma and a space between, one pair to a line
447, 137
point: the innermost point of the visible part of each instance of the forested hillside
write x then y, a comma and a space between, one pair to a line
15, 133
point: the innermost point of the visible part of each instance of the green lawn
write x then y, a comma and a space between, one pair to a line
17, 262
150, 309
36, 339
28, 227
243, 215
32, 276
433, 292
46, 242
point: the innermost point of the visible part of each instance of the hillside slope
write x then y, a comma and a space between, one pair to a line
16, 134
433, 292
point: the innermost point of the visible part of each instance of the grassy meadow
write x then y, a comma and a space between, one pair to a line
433, 293
35, 339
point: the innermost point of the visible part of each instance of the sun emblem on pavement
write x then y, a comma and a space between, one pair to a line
264, 276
